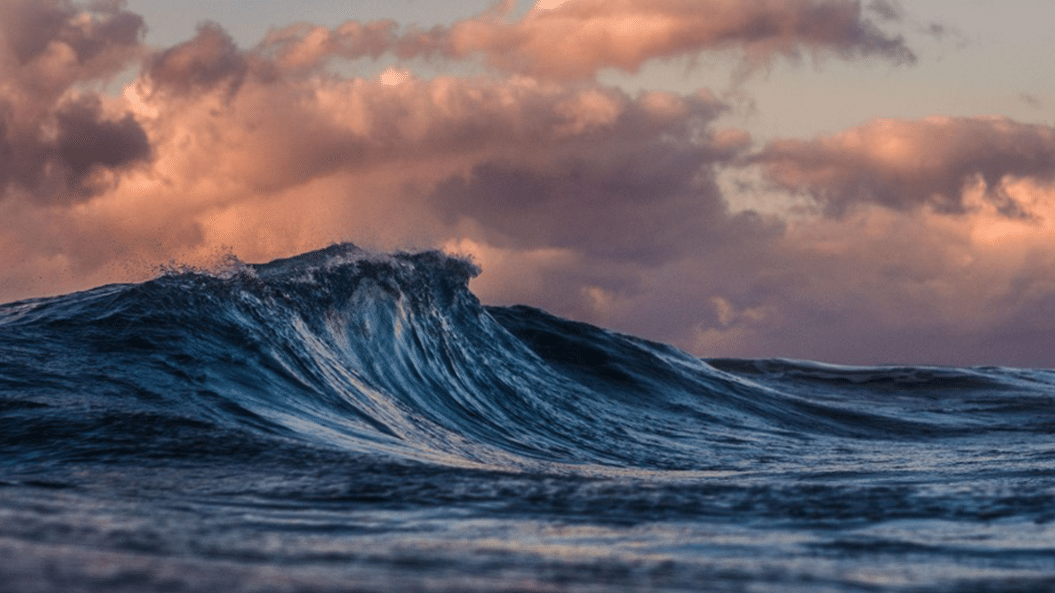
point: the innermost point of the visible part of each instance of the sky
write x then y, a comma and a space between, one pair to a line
852, 182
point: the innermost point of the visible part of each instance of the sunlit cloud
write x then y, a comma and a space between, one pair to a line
548, 4
905, 164
392, 77
582, 37
575, 39
584, 199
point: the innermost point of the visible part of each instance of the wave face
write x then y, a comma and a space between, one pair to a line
272, 413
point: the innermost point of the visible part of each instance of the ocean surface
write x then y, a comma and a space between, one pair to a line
350, 421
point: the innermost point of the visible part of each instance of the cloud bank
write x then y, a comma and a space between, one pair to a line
575, 40
924, 241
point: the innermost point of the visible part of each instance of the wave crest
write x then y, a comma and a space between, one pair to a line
353, 351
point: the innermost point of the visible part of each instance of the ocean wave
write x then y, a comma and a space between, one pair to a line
392, 355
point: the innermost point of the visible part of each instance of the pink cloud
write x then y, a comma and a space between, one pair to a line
231, 150
586, 200
303, 47
59, 42
907, 164
578, 38
199, 64
59, 142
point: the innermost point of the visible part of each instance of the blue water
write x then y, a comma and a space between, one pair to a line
349, 421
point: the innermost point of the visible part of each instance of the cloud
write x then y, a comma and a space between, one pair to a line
587, 200
580, 37
200, 64
81, 41
59, 141
303, 47
907, 281
87, 140
907, 164
632, 179
881, 285
875, 286
888, 10
214, 145
548, 4
576, 39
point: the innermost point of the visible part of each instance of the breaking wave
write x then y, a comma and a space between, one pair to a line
392, 355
